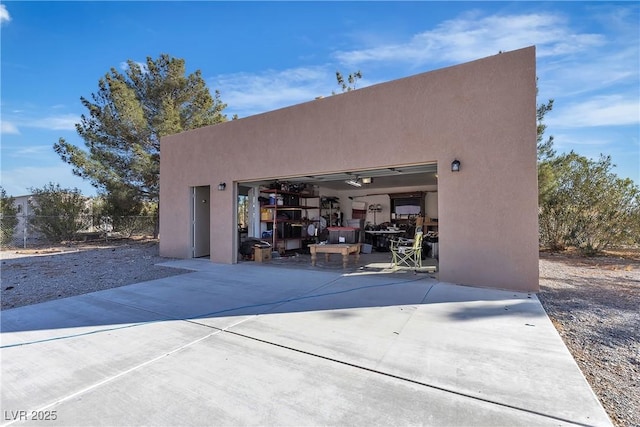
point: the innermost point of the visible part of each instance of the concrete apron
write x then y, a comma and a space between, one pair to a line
258, 345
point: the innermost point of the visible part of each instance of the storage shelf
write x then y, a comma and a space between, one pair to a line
329, 206
285, 232
288, 208
289, 193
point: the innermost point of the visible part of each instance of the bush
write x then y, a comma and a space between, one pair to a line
58, 213
8, 217
121, 212
587, 206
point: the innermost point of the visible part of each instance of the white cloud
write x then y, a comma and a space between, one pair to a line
570, 62
606, 110
473, 36
59, 122
4, 14
50, 118
31, 151
9, 128
248, 94
613, 64
570, 140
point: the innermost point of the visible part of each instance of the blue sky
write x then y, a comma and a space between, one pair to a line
267, 55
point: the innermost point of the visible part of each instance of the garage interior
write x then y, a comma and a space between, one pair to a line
373, 207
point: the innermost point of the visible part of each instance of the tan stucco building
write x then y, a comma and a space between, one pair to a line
405, 134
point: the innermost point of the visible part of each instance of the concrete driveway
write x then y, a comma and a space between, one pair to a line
253, 344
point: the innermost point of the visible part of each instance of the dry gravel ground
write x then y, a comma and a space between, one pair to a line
34, 275
593, 302
595, 305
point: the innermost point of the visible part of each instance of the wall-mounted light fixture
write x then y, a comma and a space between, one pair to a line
455, 166
222, 186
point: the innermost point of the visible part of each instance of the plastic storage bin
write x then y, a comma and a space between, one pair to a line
343, 234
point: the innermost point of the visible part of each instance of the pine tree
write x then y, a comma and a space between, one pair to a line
126, 119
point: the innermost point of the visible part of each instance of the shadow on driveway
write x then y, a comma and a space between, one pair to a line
226, 291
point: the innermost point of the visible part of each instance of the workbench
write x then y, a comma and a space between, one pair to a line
340, 248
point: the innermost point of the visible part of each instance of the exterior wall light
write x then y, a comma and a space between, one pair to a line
222, 186
455, 166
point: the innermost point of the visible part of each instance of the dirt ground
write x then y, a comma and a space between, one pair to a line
595, 305
39, 274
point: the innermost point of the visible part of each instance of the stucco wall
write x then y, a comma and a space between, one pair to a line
481, 113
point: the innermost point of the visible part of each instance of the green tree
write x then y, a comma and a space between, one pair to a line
582, 203
126, 119
58, 213
545, 146
552, 219
588, 207
8, 217
350, 83
546, 152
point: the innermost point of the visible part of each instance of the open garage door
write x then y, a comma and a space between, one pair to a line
293, 212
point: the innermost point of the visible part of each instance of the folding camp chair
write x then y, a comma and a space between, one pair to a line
407, 254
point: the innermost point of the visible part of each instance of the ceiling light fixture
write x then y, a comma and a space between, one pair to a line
366, 180
354, 182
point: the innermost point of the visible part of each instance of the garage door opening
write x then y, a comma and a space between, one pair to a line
370, 207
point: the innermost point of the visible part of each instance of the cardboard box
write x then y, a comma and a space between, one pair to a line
266, 214
262, 254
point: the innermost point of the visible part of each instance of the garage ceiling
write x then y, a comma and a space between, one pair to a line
382, 178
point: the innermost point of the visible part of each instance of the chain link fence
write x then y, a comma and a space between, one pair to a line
20, 231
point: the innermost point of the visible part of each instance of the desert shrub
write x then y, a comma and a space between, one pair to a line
8, 217
58, 213
124, 214
587, 206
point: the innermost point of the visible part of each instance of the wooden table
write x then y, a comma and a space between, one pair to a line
340, 248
